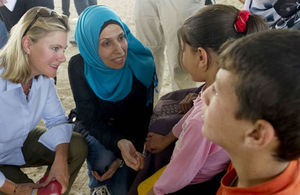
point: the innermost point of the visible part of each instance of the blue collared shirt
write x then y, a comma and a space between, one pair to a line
19, 115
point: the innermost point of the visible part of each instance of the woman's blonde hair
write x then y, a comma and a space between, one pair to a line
35, 25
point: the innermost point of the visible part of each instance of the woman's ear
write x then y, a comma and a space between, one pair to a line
26, 44
261, 135
202, 58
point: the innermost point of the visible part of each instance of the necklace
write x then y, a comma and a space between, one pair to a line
26, 87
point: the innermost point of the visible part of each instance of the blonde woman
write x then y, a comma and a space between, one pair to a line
27, 94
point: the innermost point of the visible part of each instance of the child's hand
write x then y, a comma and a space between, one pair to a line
187, 103
156, 143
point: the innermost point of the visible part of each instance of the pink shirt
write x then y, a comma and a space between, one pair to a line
195, 159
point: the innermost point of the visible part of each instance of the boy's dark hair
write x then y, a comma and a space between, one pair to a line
267, 70
212, 25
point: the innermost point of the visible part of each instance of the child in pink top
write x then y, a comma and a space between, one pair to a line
195, 159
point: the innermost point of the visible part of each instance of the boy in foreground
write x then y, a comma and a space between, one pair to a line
253, 111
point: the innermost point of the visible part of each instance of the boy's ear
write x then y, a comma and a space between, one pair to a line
26, 44
203, 58
261, 135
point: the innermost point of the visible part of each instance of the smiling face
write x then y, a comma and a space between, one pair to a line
112, 48
220, 106
47, 54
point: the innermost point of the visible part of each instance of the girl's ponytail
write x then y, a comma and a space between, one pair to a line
213, 25
240, 24
247, 23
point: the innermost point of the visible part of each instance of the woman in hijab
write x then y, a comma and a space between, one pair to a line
112, 81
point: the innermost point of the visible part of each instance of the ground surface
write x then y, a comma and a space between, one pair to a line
125, 10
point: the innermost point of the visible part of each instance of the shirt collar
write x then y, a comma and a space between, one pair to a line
11, 86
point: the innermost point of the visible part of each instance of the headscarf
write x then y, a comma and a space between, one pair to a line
107, 83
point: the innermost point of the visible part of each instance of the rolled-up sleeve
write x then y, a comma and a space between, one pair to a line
2, 179
58, 129
56, 135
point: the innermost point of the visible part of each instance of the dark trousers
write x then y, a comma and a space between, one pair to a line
36, 154
80, 5
65, 4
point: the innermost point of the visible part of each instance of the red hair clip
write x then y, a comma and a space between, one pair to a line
240, 24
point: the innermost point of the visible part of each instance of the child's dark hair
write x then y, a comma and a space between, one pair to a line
267, 83
212, 25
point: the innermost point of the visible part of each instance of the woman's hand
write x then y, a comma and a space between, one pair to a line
187, 103
132, 158
156, 143
110, 172
59, 170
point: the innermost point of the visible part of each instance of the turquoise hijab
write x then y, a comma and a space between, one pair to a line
107, 83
